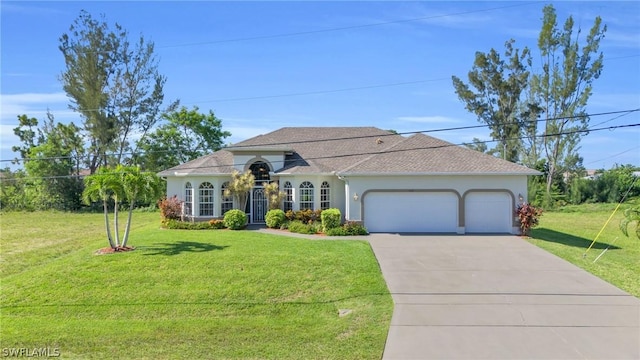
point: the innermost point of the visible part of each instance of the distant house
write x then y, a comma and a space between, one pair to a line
389, 182
591, 174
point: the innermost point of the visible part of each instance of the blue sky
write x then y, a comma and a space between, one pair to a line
264, 65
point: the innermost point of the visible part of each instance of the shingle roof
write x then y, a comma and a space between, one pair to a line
220, 162
425, 154
356, 150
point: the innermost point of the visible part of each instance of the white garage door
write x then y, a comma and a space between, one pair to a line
487, 212
411, 212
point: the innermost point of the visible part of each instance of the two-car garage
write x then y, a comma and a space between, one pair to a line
438, 211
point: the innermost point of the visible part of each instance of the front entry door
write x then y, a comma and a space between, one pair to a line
258, 205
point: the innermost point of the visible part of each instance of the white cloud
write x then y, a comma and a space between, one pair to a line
622, 39
459, 20
6, 132
29, 9
34, 98
616, 101
33, 105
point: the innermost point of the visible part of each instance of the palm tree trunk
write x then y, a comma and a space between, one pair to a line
126, 229
106, 224
115, 223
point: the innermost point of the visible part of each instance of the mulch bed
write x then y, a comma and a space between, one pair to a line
110, 250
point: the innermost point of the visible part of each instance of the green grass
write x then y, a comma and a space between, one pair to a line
186, 294
570, 231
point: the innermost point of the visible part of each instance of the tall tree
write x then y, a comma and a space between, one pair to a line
28, 133
564, 86
495, 99
51, 154
116, 87
478, 145
186, 135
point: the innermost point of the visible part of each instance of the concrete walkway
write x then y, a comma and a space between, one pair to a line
499, 297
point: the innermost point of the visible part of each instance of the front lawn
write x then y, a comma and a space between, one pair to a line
187, 294
569, 232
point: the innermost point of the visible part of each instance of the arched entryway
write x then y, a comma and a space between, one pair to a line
257, 205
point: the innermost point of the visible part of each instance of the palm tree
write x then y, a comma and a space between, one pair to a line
137, 185
100, 187
239, 187
631, 215
122, 183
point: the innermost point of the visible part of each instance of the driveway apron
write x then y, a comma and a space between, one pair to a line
499, 297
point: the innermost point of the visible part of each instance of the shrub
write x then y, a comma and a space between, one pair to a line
339, 231
170, 208
631, 217
350, 228
306, 216
299, 227
331, 218
275, 218
290, 215
184, 225
235, 219
216, 224
528, 216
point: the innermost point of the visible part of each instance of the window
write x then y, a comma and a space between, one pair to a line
288, 196
226, 202
188, 199
306, 196
260, 171
206, 199
325, 196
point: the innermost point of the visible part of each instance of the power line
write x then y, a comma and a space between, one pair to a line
335, 29
622, 112
386, 151
352, 27
613, 118
615, 155
317, 92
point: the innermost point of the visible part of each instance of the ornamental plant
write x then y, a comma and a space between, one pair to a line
528, 216
235, 219
331, 218
170, 208
275, 218
350, 228
631, 217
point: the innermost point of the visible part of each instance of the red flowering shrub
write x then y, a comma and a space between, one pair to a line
528, 216
170, 208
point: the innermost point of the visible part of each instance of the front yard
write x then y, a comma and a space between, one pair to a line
569, 232
187, 294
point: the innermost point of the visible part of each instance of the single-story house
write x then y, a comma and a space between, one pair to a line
389, 182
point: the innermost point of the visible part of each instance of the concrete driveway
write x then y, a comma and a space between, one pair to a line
499, 297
